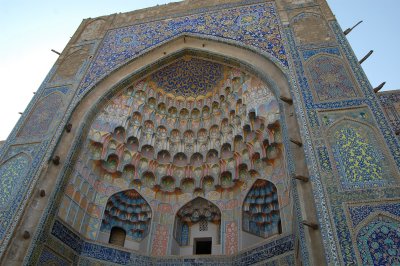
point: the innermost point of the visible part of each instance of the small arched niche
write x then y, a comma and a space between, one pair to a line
126, 221
117, 236
260, 217
197, 229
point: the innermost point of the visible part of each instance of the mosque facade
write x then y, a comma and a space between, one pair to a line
229, 132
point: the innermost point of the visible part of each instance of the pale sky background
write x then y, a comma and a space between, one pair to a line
30, 29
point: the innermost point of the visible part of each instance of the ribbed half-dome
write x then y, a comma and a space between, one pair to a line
154, 135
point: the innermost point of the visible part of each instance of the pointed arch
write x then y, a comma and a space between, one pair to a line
261, 212
92, 29
308, 28
366, 163
135, 73
117, 236
331, 78
199, 214
72, 63
129, 211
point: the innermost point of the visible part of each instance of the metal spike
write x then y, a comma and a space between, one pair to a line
379, 87
54, 51
350, 29
366, 57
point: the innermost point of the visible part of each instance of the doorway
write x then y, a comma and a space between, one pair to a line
202, 246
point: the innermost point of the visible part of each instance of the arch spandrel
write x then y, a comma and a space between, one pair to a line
126, 43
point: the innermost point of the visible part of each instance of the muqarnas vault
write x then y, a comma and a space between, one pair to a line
205, 133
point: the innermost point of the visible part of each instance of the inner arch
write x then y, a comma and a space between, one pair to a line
196, 221
172, 146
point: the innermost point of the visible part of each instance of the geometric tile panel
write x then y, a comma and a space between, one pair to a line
67, 236
360, 212
231, 238
40, 119
182, 232
379, 242
324, 159
105, 253
11, 173
12, 179
359, 157
87, 250
330, 79
307, 54
390, 101
160, 241
266, 251
49, 258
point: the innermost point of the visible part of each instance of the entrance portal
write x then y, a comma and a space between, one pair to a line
197, 229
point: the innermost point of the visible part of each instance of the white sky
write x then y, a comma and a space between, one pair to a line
30, 29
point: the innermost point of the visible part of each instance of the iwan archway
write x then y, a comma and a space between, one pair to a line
185, 120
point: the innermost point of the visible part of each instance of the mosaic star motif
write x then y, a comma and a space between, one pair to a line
189, 77
330, 79
379, 242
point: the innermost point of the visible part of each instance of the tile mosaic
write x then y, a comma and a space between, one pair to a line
256, 26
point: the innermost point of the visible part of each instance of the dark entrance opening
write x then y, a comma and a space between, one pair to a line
202, 246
